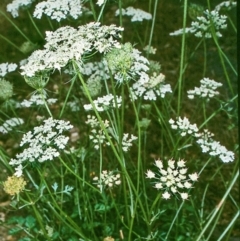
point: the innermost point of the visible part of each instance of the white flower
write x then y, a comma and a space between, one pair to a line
13, 7
226, 4
184, 196
58, 9
184, 126
105, 102
203, 24
206, 90
67, 43
150, 174
97, 135
137, 15
7, 68
100, 3
107, 179
172, 179
8, 125
43, 143
127, 141
166, 195
37, 100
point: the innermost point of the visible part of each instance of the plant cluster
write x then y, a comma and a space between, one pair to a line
104, 145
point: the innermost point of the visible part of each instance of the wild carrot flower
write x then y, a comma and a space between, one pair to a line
206, 90
14, 6
6, 89
226, 4
8, 125
203, 24
127, 141
100, 2
214, 148
105, 102
172, 180
14, 185
184, 126
137, 15
107, 179
37, 100
67, 43
7, 68
97, 135
58, 9
44, 143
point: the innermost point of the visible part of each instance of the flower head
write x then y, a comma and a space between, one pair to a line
137, 15
201, 27
14, 185
44, 143
107, 179
206, 90
13, 7
173, 180
7, 68
58, 9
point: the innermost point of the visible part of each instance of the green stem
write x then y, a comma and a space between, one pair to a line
180, 80
218, 206
15, 26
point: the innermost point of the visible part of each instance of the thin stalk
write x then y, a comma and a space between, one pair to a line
174, 219
229, 225
34, 24
11, 43
180, 80
218, 206
101, 11
152, 27
15, 26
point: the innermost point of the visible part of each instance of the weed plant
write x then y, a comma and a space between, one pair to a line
100, 140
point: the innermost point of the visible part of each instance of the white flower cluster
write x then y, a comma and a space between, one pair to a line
7, 68
147, 87
68, 43
105, 102
214, 148
37, 100
137, 15
226, 4
206, 90
100, 2
184, 126
43, 143
107, 179
95, 70
202, 27
97, 135
9, 124
127, 141
58, 9
172, 180
14, 6
204, 139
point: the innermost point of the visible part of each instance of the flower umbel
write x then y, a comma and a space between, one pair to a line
44, 143
107, 179
14, 185
172, 180
206, 90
